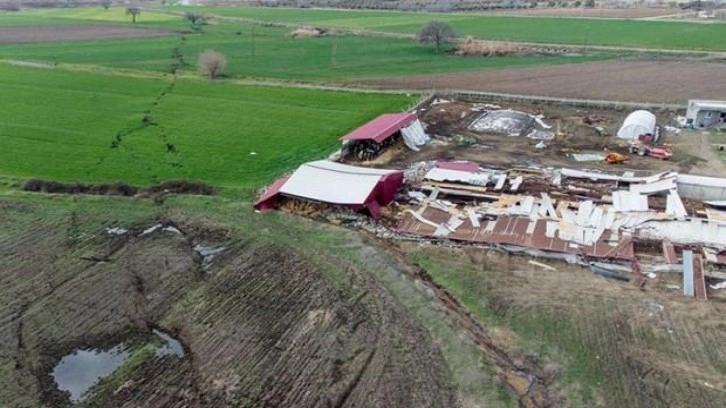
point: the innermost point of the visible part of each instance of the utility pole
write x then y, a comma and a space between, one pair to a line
252, 39
587, 36
333, 54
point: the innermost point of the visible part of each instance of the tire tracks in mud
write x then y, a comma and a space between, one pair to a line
527, 382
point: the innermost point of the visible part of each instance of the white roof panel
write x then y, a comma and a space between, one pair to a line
439, 174
335, 166
333, 182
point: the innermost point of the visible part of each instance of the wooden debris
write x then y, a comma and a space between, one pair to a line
699, 282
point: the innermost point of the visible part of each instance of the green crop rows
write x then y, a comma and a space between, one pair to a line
80, 127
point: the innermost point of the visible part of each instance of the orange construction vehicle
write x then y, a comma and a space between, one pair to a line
615, 158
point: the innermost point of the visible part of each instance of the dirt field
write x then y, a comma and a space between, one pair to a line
23, 34
624, 81
448, 123
593, 12
263, 324
613, 344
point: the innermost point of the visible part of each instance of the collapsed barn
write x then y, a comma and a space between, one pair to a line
329, 182
619, 224
368, 141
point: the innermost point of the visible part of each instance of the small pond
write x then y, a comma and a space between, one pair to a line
82, 369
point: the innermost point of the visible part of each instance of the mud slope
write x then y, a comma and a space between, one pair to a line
262, 324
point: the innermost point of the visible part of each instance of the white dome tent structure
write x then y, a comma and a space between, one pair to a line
640, 122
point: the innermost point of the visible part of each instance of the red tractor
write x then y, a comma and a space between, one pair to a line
644, 150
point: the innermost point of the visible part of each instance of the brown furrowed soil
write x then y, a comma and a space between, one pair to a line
31, 34
593, 12
262, 323
624, 81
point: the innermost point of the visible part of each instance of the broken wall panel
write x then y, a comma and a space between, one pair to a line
688, 273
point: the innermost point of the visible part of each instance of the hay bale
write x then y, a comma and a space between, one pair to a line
470, 47
307, 32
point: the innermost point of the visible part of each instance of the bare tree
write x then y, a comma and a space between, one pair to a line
133, 12
106, 4
437, 32
194, 18
211, 63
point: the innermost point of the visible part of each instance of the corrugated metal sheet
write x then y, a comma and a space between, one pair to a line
627, 201
337, 184
688, 273
440, 174
669, 252
466, 166
674, 205
500, 182
515, 231
716, 215
665, 184
694, 231
716, 204
516, 183
382, 127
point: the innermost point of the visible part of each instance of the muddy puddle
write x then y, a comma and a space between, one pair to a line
80, 370
208, 254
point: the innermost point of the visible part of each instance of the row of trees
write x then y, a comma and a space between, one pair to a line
211, 63
197, 20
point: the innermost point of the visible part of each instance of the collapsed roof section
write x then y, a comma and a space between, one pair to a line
336, 183
552, 215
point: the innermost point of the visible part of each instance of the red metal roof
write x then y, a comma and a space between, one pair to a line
511, 230
268, 200
382, 127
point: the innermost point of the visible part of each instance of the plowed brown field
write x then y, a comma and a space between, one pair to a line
624, 81
593, 12
23, 34
263, 324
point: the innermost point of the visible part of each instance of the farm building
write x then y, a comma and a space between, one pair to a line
637, 124
335, 183
369, 140
705, 114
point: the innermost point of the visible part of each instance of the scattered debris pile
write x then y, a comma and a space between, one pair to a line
575, 215
629, 226
511, 123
